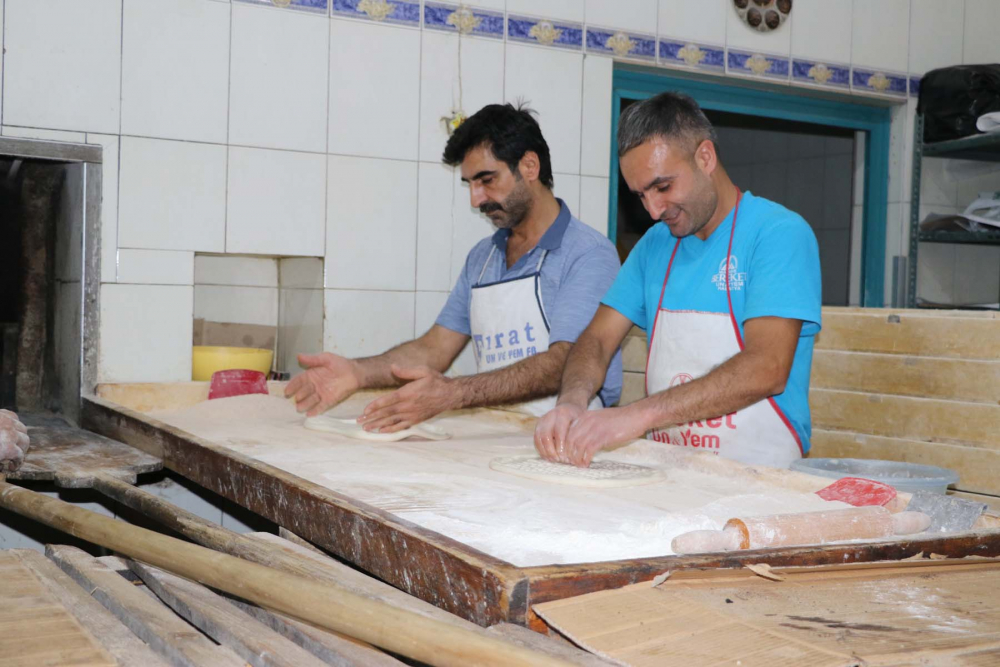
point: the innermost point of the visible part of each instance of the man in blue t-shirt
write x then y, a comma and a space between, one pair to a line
523, 297
728, 291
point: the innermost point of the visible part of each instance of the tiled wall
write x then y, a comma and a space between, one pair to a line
313, 128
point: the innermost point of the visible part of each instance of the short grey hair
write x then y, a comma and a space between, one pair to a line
667, 115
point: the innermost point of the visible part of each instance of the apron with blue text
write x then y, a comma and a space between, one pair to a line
508, 324
689, 345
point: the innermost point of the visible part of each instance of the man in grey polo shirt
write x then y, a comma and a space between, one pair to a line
523, 297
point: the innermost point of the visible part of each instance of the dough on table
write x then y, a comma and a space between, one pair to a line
600, 473
352, 429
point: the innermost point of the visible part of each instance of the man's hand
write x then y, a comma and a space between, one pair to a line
552, 430
328, 380
428, 393
599, 429
13, 442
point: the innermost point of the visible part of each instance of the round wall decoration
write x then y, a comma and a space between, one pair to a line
763, 15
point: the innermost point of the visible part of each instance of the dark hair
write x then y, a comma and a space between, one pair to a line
667, 115
508, 132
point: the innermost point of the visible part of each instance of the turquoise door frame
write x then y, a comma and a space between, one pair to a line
635, 85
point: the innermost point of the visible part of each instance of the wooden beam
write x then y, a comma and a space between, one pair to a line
938, 334
168, 635
400, 631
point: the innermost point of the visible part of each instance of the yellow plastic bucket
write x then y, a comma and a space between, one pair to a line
207, 359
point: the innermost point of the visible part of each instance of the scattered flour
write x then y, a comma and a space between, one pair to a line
449, 488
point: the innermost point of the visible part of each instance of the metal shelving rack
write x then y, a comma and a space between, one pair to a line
982, 147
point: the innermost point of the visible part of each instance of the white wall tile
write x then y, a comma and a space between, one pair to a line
374, 101
482, 84
900, 125
496, 5
62, 66
936, 272
741, 36
977, 274
156, 267
469, 227
937, 185
936, 34
236, 270
636, 15
703, 22
435, 216
822, 31
175, 69
550, 82
565, 10
300, 326
365, 323
973, 178
857, 238
880, 34
371, 224
594, 202
109, 204
595, 139
300, 273
567, 188
278, 88
276, 202
896, 229
428, 307
172, 195
145, 333
242, 305
45, 135
980, 43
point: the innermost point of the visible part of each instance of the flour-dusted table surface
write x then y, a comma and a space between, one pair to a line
432, 518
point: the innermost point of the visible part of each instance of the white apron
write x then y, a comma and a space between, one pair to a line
508, 324
691, 344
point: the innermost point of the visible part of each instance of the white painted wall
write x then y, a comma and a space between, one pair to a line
240, 127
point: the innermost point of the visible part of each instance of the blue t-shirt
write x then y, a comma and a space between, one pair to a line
774, 271
579, 268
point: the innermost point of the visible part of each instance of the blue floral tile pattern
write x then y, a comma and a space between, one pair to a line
621, 44
745, 63
316, 6
821, 74
401, 12
915, 86
883, 83
689, 54
463, 20
545, 32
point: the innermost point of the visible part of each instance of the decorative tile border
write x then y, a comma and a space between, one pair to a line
914, 86
747, 63
689, 54
401, 12
560, 34
829, 75
315, 6
880, 83
463, 20
621, 44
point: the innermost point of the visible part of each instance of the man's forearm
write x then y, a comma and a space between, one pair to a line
586, 367
531, 378
376, 372
740, 381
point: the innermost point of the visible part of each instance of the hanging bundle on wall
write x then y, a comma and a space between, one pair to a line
763, 15
953, 98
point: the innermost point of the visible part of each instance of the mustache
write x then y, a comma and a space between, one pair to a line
490, 207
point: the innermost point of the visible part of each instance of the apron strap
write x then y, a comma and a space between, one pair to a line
479, 281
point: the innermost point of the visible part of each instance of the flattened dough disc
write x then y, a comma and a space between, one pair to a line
352, 429
600, 473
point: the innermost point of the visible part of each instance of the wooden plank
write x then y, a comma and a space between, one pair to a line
905, 417
36, 629
978, 467
212, 614
168, 635
904, 375
907, 332
451, 575
71, 456
559, 648
115, 638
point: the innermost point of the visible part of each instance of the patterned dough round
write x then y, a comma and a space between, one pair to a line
600, 473
352, 429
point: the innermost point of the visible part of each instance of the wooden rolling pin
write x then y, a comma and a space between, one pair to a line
786, 530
